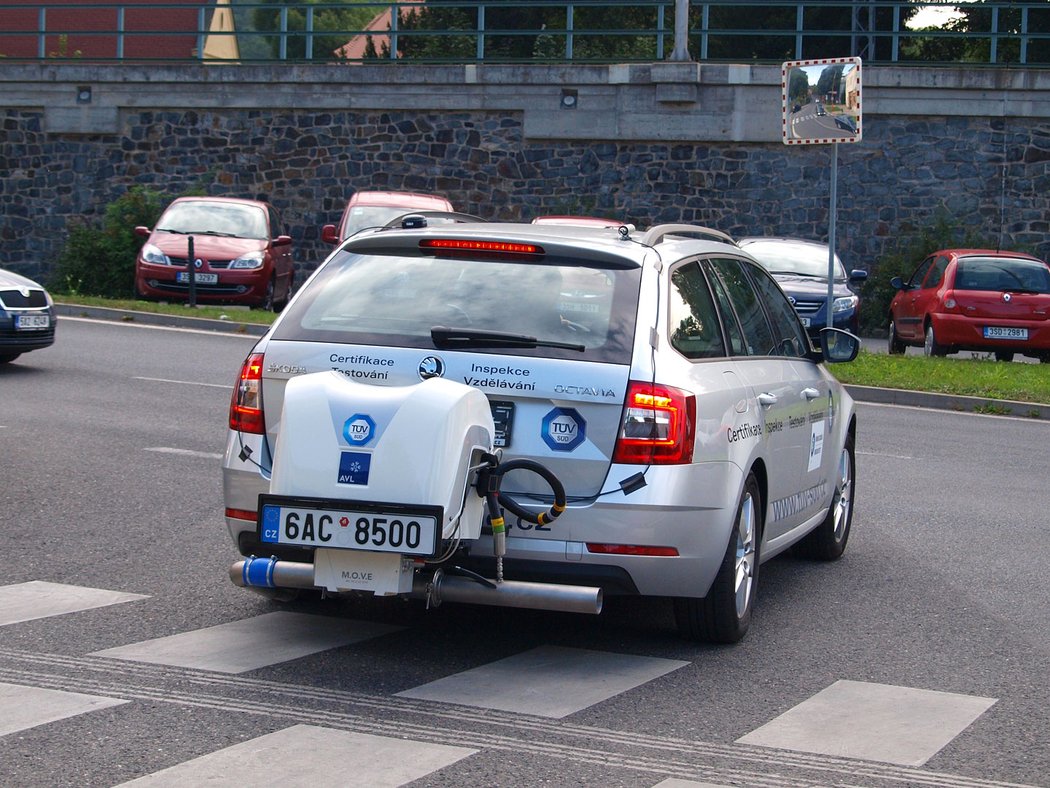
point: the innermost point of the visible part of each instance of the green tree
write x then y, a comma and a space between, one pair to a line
976, 20
332, 27
100, 260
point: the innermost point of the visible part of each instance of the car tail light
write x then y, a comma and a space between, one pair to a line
465, 248
657, 427
246, 413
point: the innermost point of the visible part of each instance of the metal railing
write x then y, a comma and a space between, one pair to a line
550, 31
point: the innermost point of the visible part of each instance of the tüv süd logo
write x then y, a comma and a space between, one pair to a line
358, 429
563, 429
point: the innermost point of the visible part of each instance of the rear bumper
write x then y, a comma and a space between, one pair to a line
697, 529
959, 332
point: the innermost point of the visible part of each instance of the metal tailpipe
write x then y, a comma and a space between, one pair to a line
442, 587
436, 588
271, 573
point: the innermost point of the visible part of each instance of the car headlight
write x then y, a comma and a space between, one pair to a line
151, 254
250, 260
844, 304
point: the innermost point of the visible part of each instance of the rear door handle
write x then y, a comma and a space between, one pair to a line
765, 399
809, 393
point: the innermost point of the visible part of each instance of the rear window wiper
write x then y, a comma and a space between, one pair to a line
455, 338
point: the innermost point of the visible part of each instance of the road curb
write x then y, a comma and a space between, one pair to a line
231, 326
915, 399
925, 399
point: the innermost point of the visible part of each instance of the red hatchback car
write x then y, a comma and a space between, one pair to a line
376, 209
240, 255
974, 299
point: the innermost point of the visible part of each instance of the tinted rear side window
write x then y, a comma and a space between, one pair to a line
694, 330
394, 300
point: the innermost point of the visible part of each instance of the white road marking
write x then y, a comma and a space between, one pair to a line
250, 643
309, 755
874, 722
40, 599
185, 382
208, 455
549, 681
132, 324
26, 707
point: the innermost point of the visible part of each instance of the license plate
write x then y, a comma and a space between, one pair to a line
32, 322
203, 279
350, 525
1002, 332
805, 322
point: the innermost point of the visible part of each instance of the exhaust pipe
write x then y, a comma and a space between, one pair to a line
271, 573
508, 593
438, 588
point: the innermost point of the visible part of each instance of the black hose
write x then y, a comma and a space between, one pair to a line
511, 505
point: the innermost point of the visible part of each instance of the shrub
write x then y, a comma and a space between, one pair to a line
912, 248
100, 261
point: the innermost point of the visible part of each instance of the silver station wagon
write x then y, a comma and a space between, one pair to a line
539, 415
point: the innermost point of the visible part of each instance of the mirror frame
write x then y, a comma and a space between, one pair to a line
841, 103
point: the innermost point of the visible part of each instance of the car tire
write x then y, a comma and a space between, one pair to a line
724, 615
267, 300
828, 540
896, 346
8, 357
931, 347
1004, 355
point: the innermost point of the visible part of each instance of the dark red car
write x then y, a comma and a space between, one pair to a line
974, 299
376, 209
240, 255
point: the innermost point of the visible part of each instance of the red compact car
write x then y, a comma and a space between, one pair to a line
974, 299
240, 255
377, 209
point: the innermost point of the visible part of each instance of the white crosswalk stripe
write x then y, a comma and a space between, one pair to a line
852, 730
303, 754
250, 644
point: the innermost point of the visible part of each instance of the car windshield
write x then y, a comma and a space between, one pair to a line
362, 216
215, 218
1002, 274
801, 259
396, 300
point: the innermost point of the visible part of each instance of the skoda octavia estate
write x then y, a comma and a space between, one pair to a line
653, 418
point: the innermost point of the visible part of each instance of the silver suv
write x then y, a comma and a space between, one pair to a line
661, 378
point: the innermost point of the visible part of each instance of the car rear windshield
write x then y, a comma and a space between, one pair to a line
392, 300
1003, 274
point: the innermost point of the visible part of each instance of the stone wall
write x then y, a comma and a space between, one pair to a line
643, 146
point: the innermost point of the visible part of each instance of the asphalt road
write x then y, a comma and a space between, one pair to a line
921, 658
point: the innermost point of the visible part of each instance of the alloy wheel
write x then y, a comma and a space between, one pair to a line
745, 554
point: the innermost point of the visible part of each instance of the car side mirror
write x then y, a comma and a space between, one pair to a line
329, 234
897, 283
858, 275
838, 346
282, 240
142, 232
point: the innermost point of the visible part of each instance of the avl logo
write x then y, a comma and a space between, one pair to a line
563, 429
358, 429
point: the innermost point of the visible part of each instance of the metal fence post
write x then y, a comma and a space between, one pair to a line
681, 31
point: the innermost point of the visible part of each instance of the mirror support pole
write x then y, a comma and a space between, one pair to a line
831, 229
